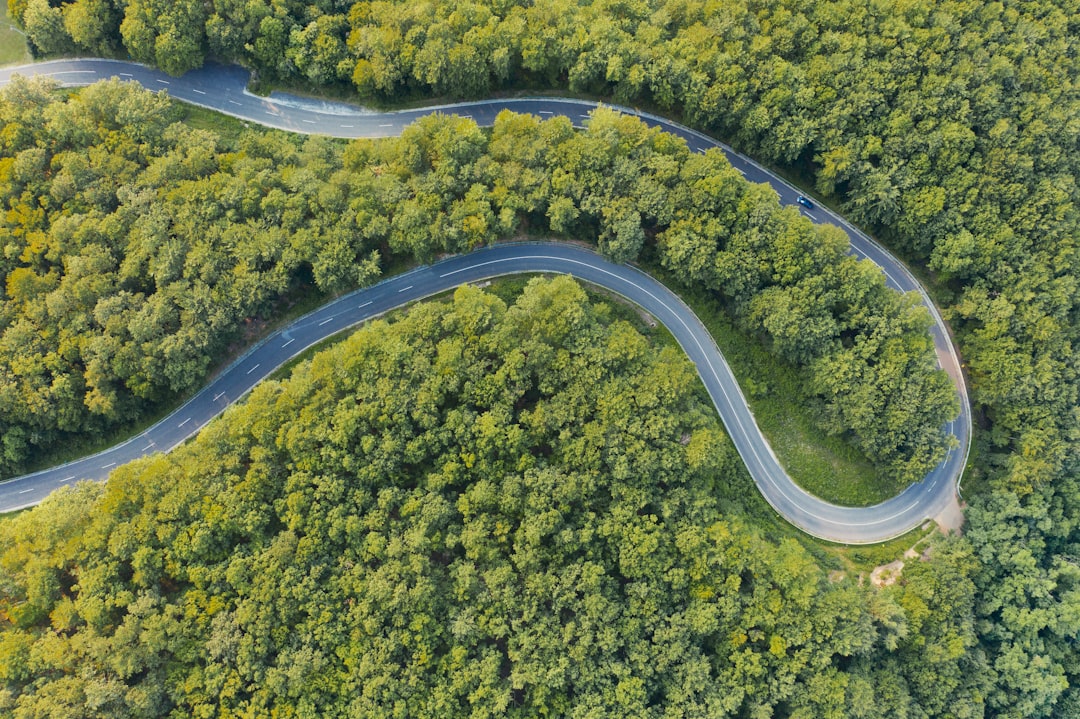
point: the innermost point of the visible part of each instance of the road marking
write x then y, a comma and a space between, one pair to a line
185, 421
74, 72
164, 82
389, 124
310, 122
110, 464
345, 126
149, 446
740, 171
24, 491
125, 74
218, 396
67, 479
289, 342
360, 307
268, 112
405, 288
328, 319
198, 91
234, 102
252, 369
546, 112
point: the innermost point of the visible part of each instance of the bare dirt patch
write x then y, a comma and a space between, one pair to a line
886, 574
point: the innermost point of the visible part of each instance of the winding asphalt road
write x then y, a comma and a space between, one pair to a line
224, 89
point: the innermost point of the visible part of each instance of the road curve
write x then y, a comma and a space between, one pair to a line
224, 89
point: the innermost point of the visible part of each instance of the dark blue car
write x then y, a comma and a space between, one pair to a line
805, 202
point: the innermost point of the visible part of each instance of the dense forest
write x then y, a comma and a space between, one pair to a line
472, 511
135, 248
947, 128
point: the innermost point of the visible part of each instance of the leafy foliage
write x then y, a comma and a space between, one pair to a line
136, 256
478, 510
947, 127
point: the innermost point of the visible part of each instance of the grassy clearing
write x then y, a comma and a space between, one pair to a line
824, 465
13, 49
228, 128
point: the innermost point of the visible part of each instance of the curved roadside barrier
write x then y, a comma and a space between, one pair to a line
224, 89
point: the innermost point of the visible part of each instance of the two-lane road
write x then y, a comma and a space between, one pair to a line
224, 89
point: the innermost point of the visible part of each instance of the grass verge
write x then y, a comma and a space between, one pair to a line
227, 127
13, 48
863, 559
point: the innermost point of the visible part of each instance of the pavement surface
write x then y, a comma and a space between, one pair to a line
224, 89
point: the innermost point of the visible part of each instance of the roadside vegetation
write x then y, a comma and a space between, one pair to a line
945, 128
129, 271
473, 510
13, 46
786, 410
